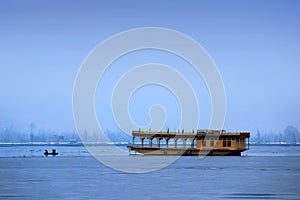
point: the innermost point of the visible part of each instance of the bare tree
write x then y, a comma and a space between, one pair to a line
292, 134
31, 129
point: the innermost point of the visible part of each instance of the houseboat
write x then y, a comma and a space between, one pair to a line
195, 143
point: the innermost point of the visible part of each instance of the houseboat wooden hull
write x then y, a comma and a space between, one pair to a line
184, 151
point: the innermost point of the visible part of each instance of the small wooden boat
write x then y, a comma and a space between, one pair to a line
53, 153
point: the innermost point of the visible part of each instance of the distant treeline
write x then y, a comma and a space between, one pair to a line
290, 135
11, 135
34, 135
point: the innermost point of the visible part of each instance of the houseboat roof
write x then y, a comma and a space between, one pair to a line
182, 134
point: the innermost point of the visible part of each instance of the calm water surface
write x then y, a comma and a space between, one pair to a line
267, 172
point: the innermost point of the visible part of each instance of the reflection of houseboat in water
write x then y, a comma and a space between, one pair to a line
201, 143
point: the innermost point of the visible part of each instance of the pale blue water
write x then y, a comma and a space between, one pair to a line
267, 172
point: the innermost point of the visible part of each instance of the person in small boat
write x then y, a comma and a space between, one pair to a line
54, 153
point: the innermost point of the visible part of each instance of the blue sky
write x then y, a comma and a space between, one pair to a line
255, 45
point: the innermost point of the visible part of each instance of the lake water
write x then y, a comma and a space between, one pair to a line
265, 172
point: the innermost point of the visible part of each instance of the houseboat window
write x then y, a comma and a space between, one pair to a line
212, 142
224, 142
204, 143
229, 143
